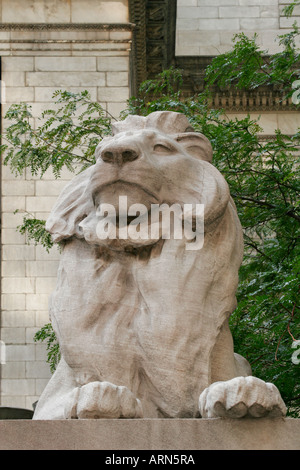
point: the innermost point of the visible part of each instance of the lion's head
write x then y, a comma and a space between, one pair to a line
153, 161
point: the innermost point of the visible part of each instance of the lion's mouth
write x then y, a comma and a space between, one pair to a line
127, 220
135, 193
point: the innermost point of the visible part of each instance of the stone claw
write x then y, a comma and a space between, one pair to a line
241, 397
106, 400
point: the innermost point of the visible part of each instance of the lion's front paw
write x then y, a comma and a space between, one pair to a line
106, 400
240, 397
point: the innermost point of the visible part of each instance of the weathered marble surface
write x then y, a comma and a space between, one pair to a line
143, 325
183, 435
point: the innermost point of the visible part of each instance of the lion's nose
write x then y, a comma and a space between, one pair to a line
119, 156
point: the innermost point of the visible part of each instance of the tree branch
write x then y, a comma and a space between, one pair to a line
289, 213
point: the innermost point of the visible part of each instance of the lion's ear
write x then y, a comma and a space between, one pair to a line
197, 145
73, 205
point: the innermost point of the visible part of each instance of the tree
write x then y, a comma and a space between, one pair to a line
263, 179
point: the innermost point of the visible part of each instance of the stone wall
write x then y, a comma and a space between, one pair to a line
288, 122
206, 27
64, 11
47, 46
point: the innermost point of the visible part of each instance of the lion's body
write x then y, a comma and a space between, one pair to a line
112, 327
155, 319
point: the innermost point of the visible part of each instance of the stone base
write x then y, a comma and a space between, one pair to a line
151, 434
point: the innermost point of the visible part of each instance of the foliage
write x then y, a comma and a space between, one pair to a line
35, 230
47, 334
66, 137
288, 10
246, 66
263, 177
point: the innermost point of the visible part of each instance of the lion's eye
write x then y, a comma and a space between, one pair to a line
162, 149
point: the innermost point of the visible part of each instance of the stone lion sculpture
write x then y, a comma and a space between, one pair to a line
143, 323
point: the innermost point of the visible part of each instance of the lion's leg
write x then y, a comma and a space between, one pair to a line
233, 392
225, 363
59, 392
65, 398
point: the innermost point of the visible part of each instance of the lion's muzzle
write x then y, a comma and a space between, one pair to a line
117, 154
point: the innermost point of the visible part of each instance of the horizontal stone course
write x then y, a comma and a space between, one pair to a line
41, 203
12, 203
218, 24
18, 318
17, 64
268, 12
263, 3
217, 2
287, 23
53, 11
13, 302
13, 369
11, 236
15, 79
25, 188
18, 386
65, 64
13, 11
13, 335
41, 318
18, 285
20, 352
187, 3
194, 12
112, 94
112, 64
49, 189
117, 79
239, 12
258, 23
41, 268
37, 369
37, 301
152, 434
13, 268
64, 80
18, 253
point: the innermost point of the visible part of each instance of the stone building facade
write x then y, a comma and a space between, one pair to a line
205, 28
107, 47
